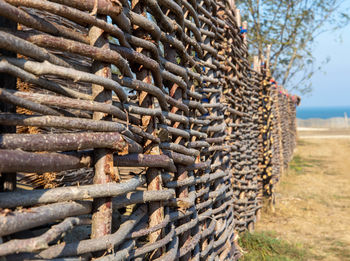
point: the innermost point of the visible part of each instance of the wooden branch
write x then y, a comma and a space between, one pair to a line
133, 146
196, 105
6, 67
29, 218
121, 254
245, 27
232, 4
183, 105
141, 197
142, 229
73, 74
216, 127
143, 134
238, 17
138, 85
12, 43
172, 252
198, 144
180, 158
256, 65
96, 244
63, 141
63, 122
41, 242
19, 16
8, 97
105, 7
155, 245
64, 102
104, 165
59, 43
190, 245
179, 148
10, 119
268, 54
235, 112
139, 58
21, 161
144, 160
199, 165
44, 196
159, 16
148, 25
73, 14
8, 181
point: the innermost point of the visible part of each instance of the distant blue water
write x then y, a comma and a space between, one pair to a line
322, 112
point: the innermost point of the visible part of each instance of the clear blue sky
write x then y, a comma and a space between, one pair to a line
333, 87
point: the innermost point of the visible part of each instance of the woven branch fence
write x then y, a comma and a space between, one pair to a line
134, 130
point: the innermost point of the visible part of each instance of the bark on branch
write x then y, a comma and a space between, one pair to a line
142, 197
73, 14
98, 54
12, 43
63, 141
41, 242
96, 244
64, 102
47, 68
44, 196
33, 217
12, 119
35, 22
144, 160
105, 7
8, 97
6, 67
21, 161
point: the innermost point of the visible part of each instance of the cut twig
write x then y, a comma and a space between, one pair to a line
63, 141
31, 198
96, 244
20, 161
33, 217
41, 242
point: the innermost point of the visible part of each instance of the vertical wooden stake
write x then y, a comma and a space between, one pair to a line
7, 180
268, 53
238, 17
232, 4
262, 63
102, 207
245, 27
153, 175
256, 63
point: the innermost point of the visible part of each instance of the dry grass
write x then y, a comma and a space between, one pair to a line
313, 200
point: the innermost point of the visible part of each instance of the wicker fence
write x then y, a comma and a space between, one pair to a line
133, 130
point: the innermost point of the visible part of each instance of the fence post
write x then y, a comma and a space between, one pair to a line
268, 53
102, 207
7, 180
245, 28
153, 175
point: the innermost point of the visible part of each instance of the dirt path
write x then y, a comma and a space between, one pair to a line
325, 137
313, 200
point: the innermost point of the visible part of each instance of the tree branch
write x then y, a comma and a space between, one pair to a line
96, 244
41, 242
33, 217
44, 196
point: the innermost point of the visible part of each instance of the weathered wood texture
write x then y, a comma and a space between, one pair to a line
143, 133
7, 180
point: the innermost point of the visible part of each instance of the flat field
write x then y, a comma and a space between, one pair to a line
312, 209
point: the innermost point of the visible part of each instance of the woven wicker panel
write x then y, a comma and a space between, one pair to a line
136, 130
